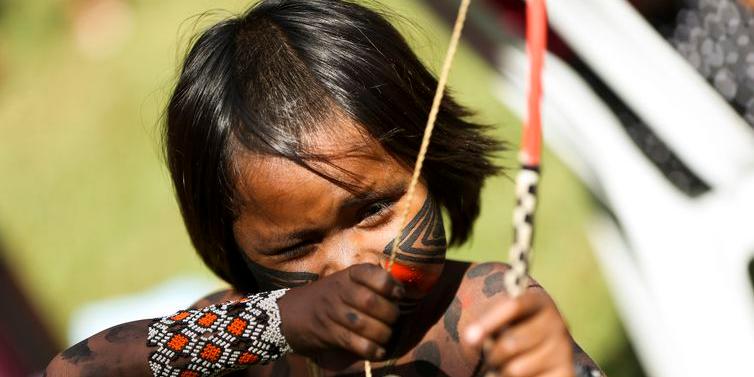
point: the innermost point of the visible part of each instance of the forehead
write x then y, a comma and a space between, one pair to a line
278, 194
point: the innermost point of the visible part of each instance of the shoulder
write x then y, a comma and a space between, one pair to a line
469, 289
475, 282
217, 297
483, 286
483, 281
480, 286
478, 282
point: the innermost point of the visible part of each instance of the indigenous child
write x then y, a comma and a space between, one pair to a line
290, 138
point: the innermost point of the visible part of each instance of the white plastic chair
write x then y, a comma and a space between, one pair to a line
676, 265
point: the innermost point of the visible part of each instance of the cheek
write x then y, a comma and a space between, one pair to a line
420, 257
417, 278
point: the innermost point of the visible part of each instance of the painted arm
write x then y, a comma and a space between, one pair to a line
194, 342
347, 314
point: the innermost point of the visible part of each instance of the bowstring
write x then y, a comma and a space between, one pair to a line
429, 127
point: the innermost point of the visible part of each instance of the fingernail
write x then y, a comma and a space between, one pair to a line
473, 334
399, 291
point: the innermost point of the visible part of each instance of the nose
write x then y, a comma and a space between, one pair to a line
350, 250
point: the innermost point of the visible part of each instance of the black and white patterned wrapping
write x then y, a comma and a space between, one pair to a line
523, 229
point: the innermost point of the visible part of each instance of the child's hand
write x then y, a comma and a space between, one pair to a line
523, 337
349, 312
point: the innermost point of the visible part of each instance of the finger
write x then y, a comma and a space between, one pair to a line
522, 337
377, 279
358, 345
363, 325
365, 300
504, 313
548, 355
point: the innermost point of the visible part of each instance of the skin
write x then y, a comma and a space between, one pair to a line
327, 242
456, 305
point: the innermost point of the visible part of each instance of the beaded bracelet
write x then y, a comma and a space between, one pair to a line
219, 338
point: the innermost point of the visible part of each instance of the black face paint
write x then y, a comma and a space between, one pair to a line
269, 279
79, 352
493, 284
451, 319
124, 333
423, 238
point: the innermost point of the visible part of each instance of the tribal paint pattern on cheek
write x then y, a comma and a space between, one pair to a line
269, 279
423, 238
421, 253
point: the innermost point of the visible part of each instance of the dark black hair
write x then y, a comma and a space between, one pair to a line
261, 80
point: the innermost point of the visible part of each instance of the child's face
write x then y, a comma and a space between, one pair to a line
296, 226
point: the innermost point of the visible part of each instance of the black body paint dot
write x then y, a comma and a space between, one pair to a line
428, 352
352, 317
451, 319
79, 352
124, 333
480, 270
493, 284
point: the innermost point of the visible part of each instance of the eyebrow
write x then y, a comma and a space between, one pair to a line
289, 240
293, 238
297, 236
393, 191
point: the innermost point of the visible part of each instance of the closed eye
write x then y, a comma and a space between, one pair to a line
296, 251
376, 213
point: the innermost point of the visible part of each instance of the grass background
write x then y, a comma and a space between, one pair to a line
86, 207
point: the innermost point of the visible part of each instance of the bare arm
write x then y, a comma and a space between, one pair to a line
203, 341
120, 350
355, 323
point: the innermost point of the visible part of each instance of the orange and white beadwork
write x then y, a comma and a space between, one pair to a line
218, 338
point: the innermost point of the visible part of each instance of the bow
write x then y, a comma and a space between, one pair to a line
527, 179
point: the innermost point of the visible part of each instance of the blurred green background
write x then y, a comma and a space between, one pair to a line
86, 206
